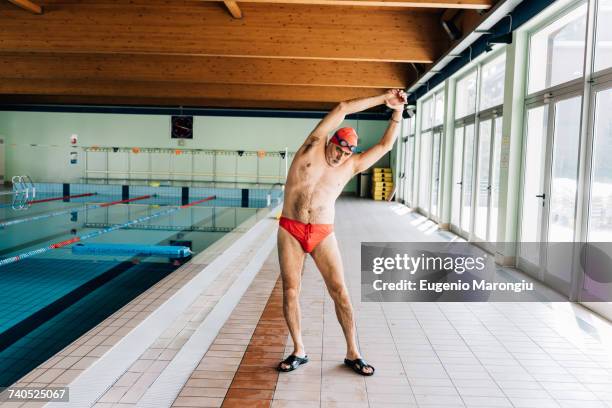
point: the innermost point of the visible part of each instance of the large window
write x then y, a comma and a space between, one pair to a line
556, 53
558, 135
435, 172
409, 170
425, 171
533, 180
493, 73
482, 177
477, 149
603, 39
427, 114
466, 96
564, 170
495, 178
438, 108
407, 161
600, 219
567, 90
432, 119
468, 169
457, 177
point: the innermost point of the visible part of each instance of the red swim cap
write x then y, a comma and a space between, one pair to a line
347, 134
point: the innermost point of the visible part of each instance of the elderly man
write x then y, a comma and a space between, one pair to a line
319, 171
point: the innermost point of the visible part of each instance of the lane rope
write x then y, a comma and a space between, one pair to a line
69, 211
93, 234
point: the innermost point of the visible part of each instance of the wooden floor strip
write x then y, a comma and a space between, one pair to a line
255, 380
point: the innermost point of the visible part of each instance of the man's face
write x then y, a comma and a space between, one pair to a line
335, 155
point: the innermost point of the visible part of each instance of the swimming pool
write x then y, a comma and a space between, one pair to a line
53, 298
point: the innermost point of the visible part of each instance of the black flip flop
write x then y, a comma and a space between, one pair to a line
293, 362
358, 365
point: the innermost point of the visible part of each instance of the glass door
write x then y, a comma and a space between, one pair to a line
425, 172
495, 172
463, 164
435, 173
600, 203
466, 180
561, 205
408, 170
487, 190
550, 179
457, 179
483, 187
597, 288
401, 154
533, 196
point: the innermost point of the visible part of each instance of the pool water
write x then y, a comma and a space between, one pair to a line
51, 299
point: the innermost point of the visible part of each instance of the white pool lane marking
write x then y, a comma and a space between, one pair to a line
165, 389
88, 387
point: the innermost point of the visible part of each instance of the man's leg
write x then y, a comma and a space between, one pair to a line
291, 258
327, 258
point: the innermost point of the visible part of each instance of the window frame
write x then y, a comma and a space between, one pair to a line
430, 97
474, 119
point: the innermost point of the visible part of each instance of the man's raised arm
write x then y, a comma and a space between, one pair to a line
335, 117
373, 154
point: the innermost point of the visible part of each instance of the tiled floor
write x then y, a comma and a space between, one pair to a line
425, 354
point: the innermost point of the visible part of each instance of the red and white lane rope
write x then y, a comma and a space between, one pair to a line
69, 211
96, 233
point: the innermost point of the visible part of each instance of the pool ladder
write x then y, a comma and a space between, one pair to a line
269, 194
23, 192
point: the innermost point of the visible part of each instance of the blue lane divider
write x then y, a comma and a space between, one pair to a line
166, 251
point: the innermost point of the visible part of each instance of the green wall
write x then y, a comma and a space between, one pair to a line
49, 161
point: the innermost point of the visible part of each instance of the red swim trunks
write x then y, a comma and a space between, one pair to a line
308, 235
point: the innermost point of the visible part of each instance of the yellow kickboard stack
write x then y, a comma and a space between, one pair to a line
382, 183
382, 170
387, 177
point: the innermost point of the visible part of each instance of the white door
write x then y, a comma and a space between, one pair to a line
488, 169
409, 171
463, 172
467, 180
550, 180
600, 198
435, 173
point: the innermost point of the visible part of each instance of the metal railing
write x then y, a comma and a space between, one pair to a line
148, 169
23, 192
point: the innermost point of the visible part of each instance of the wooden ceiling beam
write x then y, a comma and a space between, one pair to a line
446, 4
28, 5
185, 90
228, 70
169, 102
233, 8
204, 29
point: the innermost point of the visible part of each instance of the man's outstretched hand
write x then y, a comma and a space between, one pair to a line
396, 99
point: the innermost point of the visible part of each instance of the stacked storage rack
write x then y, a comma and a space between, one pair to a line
382, 183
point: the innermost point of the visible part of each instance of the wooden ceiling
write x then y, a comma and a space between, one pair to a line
293, 54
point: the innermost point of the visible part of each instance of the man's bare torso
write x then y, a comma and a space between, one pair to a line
313, 186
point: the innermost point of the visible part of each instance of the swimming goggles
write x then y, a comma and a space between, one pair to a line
343, 143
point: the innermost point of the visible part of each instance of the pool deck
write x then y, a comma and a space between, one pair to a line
214, 339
